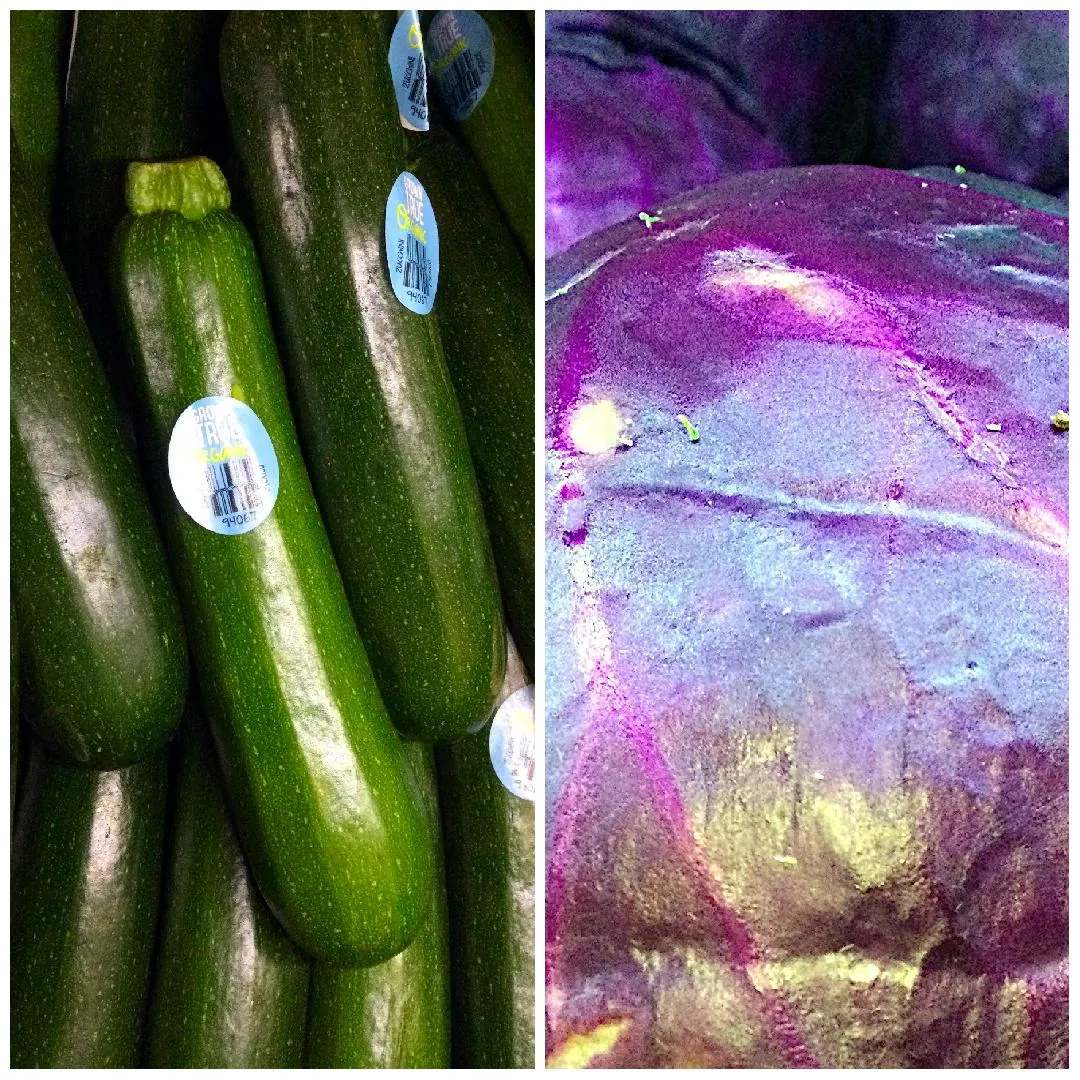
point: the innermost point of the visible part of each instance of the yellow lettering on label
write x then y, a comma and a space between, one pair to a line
219, 453
445, 61
406, 224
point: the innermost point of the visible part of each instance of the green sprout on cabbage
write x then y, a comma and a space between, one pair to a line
690, 429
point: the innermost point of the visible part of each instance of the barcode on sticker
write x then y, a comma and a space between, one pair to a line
234, 488
412, 244
418, 84
417, 270
461, 56
222, 465
462, 79
519, 751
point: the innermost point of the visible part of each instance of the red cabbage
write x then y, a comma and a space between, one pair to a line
642, 105
984, 89
806, 694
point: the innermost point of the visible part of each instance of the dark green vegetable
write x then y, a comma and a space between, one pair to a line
230, 988
485, 314
395, 1015
488, 841
104, 666
39, 53
316, 777
13, 716
499, 131
142, 87
316, 125
86, 866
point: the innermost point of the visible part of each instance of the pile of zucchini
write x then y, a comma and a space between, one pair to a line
256, 819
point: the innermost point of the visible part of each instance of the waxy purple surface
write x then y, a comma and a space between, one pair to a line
616, 144
849, 563
674, 100
644, 104
985, 89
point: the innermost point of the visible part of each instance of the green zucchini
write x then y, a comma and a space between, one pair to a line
499, 129
40, 41
485, 315
230, 988
13, 716
395, 1015
86, 867
488, 841
104, 665
327, 816
316, 125
143, 86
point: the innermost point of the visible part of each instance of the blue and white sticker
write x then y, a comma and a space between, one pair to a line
412, 244
409, 72
222, 466
461, 57
511, 744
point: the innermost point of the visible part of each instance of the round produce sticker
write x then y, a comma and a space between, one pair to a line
511, 743
461, 56
412, 244
222, 466
409, 72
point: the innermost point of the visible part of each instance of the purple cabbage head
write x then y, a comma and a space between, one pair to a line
643, 105
806, 693
984, 89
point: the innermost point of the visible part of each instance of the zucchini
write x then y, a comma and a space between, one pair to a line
382, 432
142, 85
395, 1015
230, 988
40, 41
104, 665
316, 777
485, 315
86, 867
488, 841
13, 716
498, 128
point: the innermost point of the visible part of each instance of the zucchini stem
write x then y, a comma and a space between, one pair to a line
193, 187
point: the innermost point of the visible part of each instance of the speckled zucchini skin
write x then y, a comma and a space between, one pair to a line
314, 772
39, 55
86, 866
395, 1015
490, 880
382, 432
13, 715
230, 988
485, 315
104, 665
141, 87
